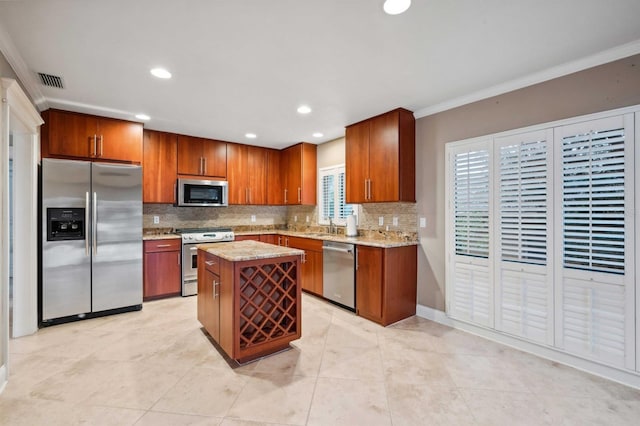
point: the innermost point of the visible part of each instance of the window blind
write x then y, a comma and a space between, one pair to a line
327, 191
471, 203
523, 202
593, 201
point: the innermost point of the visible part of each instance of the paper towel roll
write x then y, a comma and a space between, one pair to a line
351, 231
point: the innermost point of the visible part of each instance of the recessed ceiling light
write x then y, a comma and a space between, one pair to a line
250, 135
142, 117
304, 109
396, 7
318, 135
160, 73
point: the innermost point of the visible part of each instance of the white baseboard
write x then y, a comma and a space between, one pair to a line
628, 378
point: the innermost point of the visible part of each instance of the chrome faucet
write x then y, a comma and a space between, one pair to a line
332, 226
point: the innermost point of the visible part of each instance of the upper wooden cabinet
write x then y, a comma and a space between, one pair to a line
70, 134
380, 158
298, 165
202, 157
247, 174
275, 186
159, 167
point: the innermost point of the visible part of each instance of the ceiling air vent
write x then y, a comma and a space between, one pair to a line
51, 80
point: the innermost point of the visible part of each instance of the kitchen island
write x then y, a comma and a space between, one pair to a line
249, 297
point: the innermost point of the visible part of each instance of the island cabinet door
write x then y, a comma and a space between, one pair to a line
226, 300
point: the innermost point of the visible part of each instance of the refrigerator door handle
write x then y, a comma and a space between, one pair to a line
94, 224
86, 223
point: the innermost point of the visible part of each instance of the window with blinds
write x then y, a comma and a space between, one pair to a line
523, 202
332, 196
593, 201
471, 203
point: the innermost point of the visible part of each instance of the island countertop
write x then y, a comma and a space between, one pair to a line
237, 251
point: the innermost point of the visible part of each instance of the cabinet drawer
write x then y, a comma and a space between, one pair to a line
212, 263
172, 244
305, 243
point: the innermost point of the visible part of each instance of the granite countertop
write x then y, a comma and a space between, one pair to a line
147, 237
237, 251
361, 240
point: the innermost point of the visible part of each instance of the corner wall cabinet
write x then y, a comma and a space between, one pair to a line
380, 158
68, 134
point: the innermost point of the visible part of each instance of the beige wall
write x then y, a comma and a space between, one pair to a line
602, 88
331, 153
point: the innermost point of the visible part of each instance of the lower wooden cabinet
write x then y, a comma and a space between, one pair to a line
311, 267
162, 268
254, 237
269, 238
386, 282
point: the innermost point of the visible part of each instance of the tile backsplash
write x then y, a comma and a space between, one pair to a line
277, 217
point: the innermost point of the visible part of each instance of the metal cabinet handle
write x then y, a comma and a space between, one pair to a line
215, 286
86, 222
285, 196
101, 144
304, 257
95, 145
210, 262
94, 225
286, 241
279, 241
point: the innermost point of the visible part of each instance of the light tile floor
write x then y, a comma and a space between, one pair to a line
157, 367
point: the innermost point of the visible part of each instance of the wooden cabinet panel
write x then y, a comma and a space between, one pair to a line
247, 174
311, 266
247, 237
386, 282
275, 185
119, 140
162, 271
159, 167
357, 164
299, 174
202, 157
380, 158
70, 134
269, 238
369, 283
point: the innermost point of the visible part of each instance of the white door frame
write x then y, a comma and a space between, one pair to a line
20, 119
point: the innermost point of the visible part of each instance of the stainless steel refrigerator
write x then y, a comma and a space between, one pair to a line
91, 239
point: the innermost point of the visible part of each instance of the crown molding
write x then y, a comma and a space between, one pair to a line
26, 76
601, 58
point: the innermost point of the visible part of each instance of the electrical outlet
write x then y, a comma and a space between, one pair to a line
295, 218
395, 221
307, 219
423, 222
380, 220
253, 218
156, 220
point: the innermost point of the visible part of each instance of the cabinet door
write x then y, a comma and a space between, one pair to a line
357, 162
314, 258
237, 172
215, 158
247, 238
119, 140
293, 167
162, 274
159, 167
275, 186
190, 155
384, 145
369, 275
213, 304
66, 134
256, 175
269, 238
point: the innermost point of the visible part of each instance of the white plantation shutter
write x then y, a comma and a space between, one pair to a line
327, 195
524, 288
469, 282
331, 196
471, 203
596, 280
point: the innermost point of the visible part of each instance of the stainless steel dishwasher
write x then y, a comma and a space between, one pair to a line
338, 273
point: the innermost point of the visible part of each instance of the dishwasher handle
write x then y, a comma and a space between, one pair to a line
341, 250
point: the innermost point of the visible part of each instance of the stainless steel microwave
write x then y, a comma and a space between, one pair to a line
205, 193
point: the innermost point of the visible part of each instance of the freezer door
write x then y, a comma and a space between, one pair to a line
66, 264
116, 201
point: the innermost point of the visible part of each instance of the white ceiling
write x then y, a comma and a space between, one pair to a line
245, 65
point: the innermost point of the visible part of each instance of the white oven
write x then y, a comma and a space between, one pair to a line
191, 237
